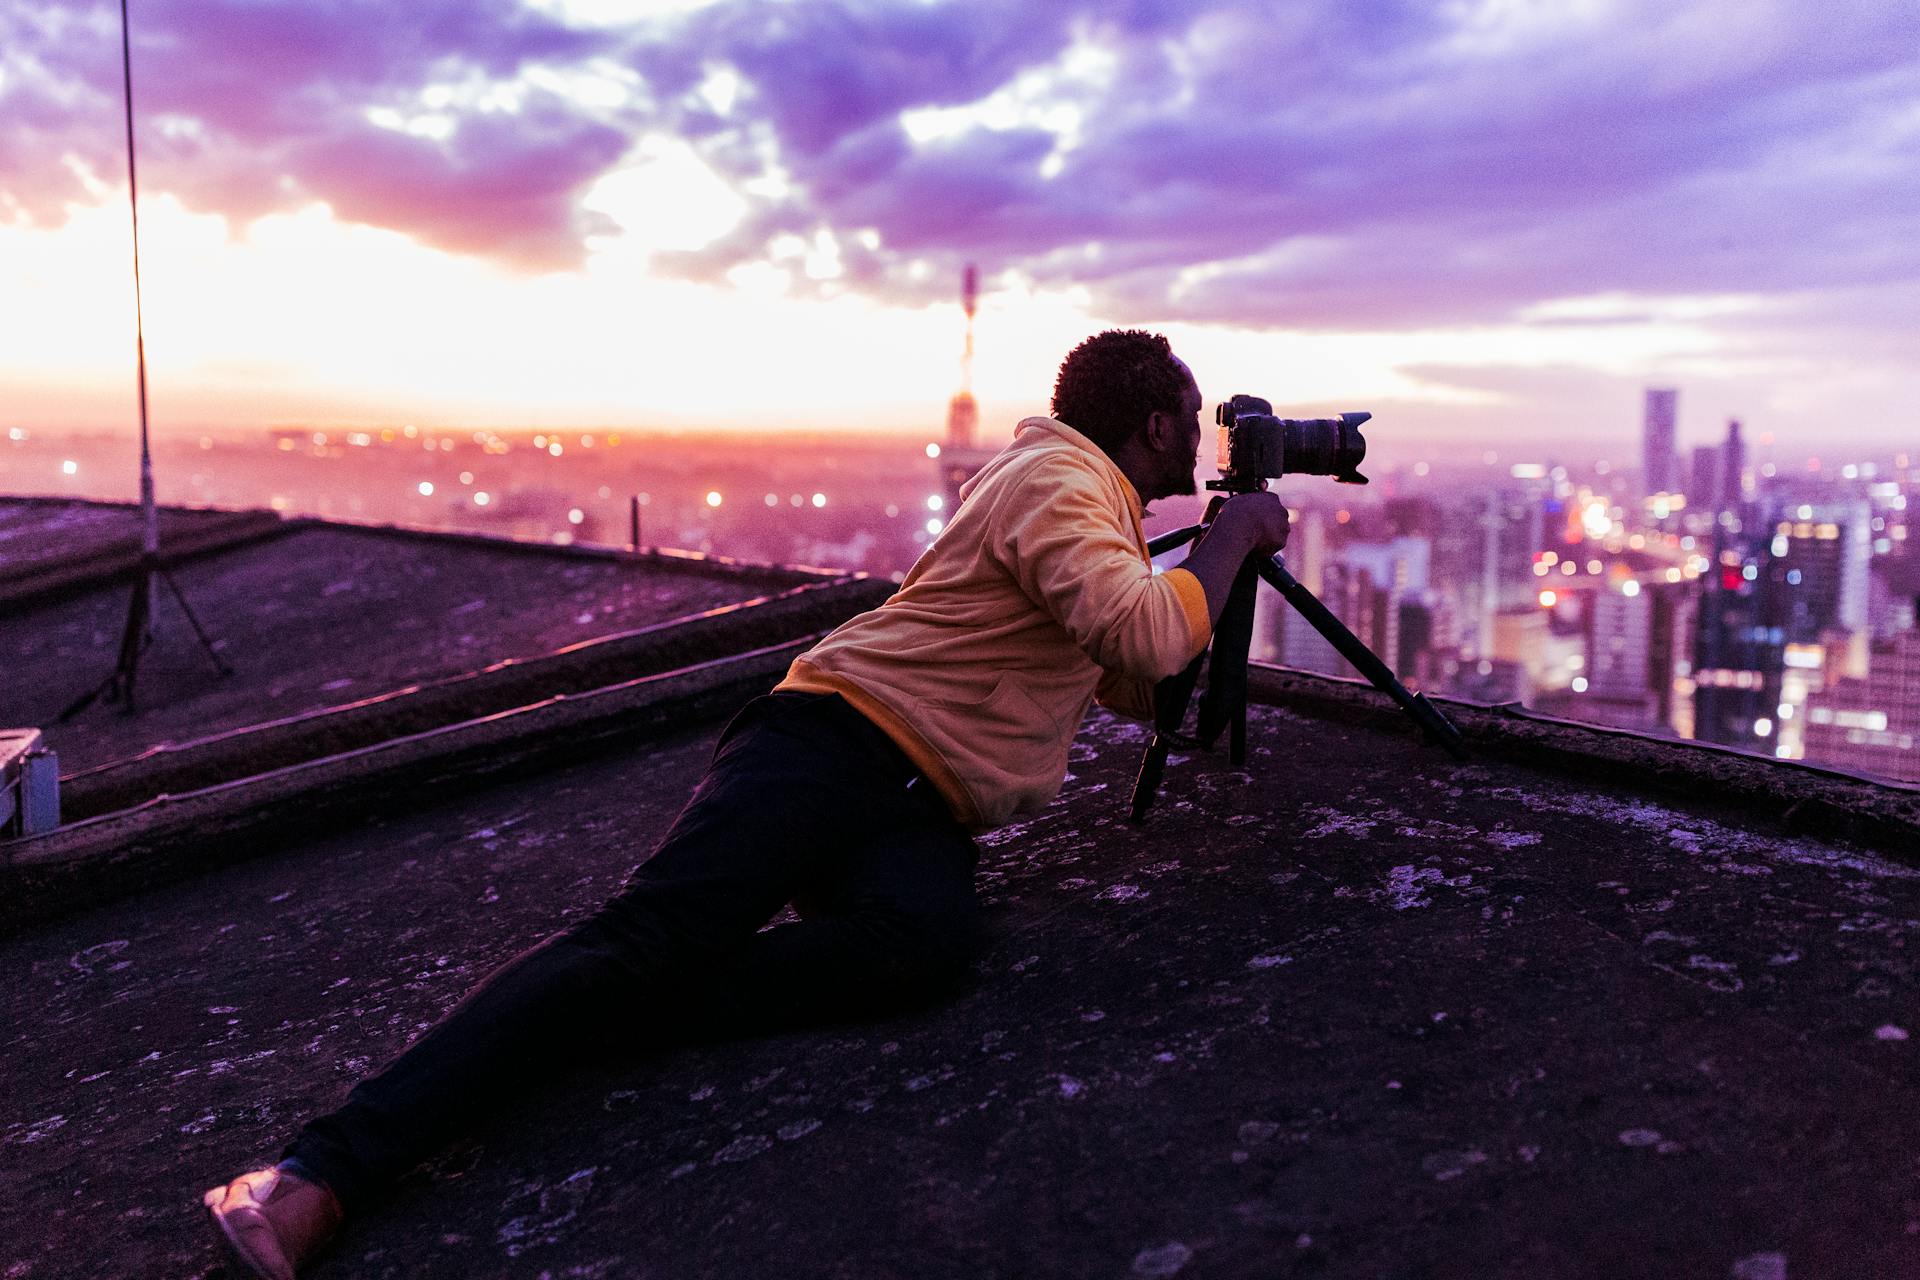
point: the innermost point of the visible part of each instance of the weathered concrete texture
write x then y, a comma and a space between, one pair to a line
1806, 799
54, 548
513, 683
1356, 1012
198, 832
318, 618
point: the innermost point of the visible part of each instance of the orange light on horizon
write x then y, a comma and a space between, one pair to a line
713, 497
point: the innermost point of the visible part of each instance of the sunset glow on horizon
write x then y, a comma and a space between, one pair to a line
1483, 222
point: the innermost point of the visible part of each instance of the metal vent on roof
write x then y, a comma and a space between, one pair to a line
29, 784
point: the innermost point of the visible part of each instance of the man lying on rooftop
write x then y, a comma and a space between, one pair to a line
851, 791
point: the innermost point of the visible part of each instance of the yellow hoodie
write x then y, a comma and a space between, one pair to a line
1038, 594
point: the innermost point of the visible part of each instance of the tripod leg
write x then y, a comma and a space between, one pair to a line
1225, 702
1437, 727
133, 642
1170, 698
119, 681
219, 663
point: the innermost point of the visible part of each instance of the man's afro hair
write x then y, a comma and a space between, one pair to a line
1112, 381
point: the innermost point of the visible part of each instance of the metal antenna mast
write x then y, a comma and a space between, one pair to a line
138, 633
149, 514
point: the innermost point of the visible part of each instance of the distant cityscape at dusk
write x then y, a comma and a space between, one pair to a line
1702, 592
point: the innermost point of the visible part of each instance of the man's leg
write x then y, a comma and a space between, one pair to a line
799, 792
902, 928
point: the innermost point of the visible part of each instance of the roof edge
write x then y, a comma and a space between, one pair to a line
598, 662
1796, 797
170, 837
671, 559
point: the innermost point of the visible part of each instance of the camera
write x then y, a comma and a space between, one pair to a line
1256, 446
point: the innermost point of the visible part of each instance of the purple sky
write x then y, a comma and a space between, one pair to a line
1330, 164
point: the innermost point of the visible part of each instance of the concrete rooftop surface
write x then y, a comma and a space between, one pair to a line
318, 616
1356, 1010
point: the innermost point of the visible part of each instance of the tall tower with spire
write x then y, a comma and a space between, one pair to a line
959, 456
963, 411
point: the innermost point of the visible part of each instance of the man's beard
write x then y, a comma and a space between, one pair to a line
1190, 477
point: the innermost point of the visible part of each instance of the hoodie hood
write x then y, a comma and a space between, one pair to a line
1042, 433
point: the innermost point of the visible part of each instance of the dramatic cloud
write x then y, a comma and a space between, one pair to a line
1322, 164
1366, 165
418, 117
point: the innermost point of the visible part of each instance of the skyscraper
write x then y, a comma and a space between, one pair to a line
1656, 441
1733, 464
1739, 651
1703, 481
1873, 724
1619, 646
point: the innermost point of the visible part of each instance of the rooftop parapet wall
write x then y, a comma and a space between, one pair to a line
1791, 795
326, 614
54, 549
196, 832
513, 682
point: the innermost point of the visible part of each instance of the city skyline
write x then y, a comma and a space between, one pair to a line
1481, 224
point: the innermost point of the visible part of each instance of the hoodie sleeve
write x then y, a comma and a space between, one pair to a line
1124, 695
1058, 532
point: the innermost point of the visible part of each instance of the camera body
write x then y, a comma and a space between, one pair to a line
1255, 446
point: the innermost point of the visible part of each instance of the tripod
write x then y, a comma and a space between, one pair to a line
1224, 704
136, 636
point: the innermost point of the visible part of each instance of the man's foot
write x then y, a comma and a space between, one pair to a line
271, 1222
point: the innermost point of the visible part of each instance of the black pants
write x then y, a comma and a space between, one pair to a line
805, 802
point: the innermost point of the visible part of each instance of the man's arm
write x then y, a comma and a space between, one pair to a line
1057, 528
1248, 524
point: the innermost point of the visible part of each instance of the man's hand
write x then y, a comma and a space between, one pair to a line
1263, 517
1247, 524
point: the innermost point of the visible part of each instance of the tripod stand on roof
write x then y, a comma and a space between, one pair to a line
1254, 446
